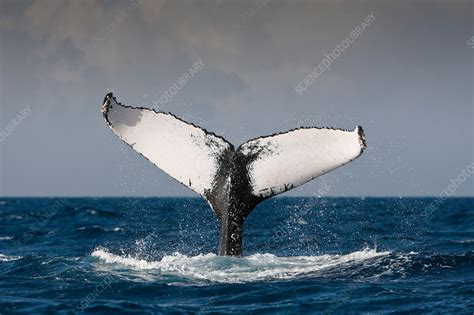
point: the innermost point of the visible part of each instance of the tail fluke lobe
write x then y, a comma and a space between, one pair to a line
280, 162
184, 151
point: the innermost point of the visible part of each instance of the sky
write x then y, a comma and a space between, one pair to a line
407, 79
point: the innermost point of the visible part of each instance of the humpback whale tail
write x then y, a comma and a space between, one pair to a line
232, 180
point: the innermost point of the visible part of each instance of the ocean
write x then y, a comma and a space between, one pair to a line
301, 256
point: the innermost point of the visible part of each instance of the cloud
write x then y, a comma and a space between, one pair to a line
150, 10
90, 26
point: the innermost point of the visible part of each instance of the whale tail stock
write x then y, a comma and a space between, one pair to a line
232, 180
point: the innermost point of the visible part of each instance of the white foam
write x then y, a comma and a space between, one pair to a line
258, 267
115, 229
302, 221
6, 238
4, 258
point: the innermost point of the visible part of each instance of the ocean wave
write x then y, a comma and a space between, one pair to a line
4, 258
99, 228
257, 267
463, 241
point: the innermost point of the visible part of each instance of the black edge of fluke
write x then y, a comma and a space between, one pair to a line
105, 107
362, 141
360, 131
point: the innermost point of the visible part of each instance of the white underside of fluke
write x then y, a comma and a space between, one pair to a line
192, 155
291, 159
182, 150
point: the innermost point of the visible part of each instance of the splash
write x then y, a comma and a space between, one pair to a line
5, 258
257, 267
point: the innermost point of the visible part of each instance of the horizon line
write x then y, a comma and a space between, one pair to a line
199, 197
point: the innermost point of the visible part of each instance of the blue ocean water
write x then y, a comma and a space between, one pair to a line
302, 255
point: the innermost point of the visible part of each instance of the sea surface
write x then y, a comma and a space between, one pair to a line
302, 255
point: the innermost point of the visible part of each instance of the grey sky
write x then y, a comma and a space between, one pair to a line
407, 79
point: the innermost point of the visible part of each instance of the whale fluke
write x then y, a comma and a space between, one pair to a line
233, 181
